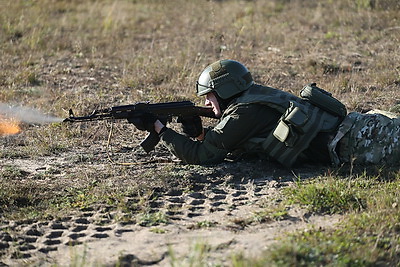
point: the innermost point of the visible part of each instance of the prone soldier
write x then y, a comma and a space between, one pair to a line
256, 119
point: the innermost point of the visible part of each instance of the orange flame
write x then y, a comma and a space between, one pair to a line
9, 126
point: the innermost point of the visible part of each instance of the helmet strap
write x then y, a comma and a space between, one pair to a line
224, 103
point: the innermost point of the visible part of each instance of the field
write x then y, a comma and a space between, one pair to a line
85, 195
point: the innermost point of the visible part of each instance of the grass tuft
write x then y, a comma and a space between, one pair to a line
345, 246
332, 195
368, 236
152, 219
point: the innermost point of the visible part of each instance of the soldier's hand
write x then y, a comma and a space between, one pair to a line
191, 126
144, 122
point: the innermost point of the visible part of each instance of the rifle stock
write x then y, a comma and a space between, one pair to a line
163, 110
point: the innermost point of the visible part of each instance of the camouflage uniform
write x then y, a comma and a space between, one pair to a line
367, 139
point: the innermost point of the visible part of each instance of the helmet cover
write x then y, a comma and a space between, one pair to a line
225, 77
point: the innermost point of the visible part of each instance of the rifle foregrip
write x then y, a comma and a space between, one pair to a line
149, 143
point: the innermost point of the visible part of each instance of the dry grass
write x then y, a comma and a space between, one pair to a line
77, 52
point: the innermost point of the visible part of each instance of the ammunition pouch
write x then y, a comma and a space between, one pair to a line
295, 130
290, 126
323, 99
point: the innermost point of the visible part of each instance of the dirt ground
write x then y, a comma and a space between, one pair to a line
210, 210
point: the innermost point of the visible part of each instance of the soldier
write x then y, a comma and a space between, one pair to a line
261, 120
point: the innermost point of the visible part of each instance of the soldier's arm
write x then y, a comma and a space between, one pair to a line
238, 125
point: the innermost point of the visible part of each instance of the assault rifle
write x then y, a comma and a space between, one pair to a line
164, 111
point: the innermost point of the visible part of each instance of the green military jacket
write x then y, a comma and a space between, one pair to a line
235, 127
262, 120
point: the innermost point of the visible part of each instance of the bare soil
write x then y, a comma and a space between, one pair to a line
209, 207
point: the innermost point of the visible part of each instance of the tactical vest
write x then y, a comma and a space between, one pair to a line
300, 122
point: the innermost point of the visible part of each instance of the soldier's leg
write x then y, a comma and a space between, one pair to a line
389, 114
372, 139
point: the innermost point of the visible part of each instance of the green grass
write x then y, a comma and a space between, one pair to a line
204, 224
271, 214
158, 230
367, 239
267, 214
329, 196
152, 219
367, 236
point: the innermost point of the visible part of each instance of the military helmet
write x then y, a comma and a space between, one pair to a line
225, 77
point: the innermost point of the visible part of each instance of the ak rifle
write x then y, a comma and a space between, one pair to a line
164, 111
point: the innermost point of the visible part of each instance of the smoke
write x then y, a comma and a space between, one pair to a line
27, 115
